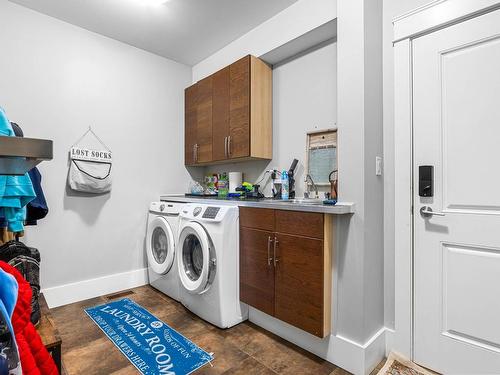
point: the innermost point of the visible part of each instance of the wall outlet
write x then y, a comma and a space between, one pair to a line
378, 166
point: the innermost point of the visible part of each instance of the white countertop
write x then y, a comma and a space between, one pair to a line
341, 208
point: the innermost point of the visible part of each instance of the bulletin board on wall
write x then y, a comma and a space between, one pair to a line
321, 155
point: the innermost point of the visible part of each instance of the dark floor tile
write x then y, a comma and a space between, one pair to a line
250, 366
286, 358
244, 336
156, 303
226, 356
186, 323
129, 370
339, 371
97, 358
73, 324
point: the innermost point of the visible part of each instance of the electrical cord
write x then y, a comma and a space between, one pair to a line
262, 179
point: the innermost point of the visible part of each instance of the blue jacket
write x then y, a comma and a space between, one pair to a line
8, 298
15, 191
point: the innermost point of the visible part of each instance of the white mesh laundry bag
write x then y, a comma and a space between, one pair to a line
90, 169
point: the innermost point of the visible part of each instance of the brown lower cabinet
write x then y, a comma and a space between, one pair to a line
286, 272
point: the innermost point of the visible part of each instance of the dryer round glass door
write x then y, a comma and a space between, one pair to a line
196, 260
160, 245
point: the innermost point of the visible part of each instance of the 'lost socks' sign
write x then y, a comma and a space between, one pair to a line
78, 153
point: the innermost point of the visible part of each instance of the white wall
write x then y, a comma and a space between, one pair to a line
56, 80
304, 99
392, 8
360, 257
296, 20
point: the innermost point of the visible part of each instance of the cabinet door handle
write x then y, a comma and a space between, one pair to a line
229, 146
269, 258
276, 260
225, 147
196, 153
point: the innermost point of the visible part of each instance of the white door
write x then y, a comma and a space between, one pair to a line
196, 259
456, 117
160, 246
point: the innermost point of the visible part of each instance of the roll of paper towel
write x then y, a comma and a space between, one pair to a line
235, 180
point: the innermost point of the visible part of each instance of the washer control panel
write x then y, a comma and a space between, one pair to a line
211, 212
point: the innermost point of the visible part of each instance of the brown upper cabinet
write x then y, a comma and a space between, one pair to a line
228, 115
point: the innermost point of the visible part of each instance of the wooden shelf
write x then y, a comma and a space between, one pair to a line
18, 155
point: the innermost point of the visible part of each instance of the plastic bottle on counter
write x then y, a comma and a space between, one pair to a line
223, 185
285, 186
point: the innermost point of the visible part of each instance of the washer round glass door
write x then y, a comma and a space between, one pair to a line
194, 259
160, 245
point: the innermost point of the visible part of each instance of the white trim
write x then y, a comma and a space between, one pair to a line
389, 341
343, 352
438, 14
403, 257
82, 290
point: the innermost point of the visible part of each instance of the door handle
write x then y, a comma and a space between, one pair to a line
269, 258
426, 211
276, 260
225, 147
194, 153
229, 146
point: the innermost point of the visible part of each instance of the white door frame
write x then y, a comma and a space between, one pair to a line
431, 17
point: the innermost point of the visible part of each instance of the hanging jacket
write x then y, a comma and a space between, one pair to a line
27, 261
9, 355
15, 191
35, 359
37, 209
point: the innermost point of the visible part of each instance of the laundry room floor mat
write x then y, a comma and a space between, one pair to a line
398, 365
148, 343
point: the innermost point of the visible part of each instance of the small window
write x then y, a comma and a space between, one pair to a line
322, 156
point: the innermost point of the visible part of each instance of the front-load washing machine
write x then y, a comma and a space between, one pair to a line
208, 263
161, 239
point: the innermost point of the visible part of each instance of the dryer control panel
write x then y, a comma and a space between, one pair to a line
211, 212
205, 212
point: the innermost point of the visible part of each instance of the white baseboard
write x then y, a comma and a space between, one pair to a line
359, 359
82, 290
389, 341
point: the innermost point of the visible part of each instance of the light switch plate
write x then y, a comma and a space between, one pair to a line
378, 166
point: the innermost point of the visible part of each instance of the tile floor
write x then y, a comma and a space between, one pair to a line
245, 349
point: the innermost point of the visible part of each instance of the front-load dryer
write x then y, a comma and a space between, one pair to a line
208, 263
161, 239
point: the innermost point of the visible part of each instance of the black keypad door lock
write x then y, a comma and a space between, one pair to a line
426, 181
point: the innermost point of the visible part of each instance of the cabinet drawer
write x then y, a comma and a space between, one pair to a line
257, 218
308, 224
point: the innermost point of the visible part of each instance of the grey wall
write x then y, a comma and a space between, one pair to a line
304, 99
392, 8
56, 80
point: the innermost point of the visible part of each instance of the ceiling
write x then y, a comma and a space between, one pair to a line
186, 31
